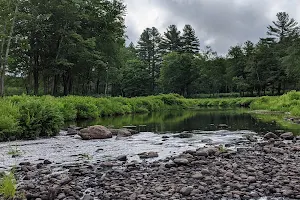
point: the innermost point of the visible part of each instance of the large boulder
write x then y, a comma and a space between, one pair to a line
95, 132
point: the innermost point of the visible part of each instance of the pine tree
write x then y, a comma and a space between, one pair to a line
171, 41
149, 52
190, 42
284, 27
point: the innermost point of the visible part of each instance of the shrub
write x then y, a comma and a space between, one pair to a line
9, 124
85, 106
171, 99
39, 118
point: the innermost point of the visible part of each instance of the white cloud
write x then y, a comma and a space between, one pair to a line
219, 23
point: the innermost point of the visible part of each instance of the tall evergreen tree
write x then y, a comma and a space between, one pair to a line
149, 52
171, 41
284, 27
190, 42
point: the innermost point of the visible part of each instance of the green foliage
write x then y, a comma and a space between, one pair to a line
85, 107
223, 149
39, 118
8, 186
136, 79
178, 72
9, 115
289, 102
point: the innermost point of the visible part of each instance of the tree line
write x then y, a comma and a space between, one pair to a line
78, 47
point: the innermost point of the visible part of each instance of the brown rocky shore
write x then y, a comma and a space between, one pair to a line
269, 168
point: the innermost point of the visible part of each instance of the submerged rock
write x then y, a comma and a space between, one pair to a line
122, 158
95, 132
222, 126
124, 132
184, 135
146, 155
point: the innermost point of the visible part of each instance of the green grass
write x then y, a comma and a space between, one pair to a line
30, 117
288, 103
8, 186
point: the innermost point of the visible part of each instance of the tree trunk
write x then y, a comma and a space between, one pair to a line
66, 82
36, 80
55, 85
4, 61
279, 88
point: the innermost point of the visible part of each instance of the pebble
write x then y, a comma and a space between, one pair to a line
268, 170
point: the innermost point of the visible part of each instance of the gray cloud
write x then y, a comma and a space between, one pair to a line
218, 23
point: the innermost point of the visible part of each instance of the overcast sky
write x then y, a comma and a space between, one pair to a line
218, 23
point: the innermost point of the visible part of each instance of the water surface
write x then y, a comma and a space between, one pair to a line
188, 120
204, 124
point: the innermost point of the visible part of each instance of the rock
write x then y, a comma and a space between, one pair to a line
73, 131
181, 161
207, 141
165, 137
146, 155
251, 138
77, 137
95, 132
170, 164
65, 181
270, 135
24, 163
122, 158
287, 136
197, 175
186, 191
184, 135
205, 172
61, 196
201, 153
212, 151
87, 197
121, 132
222, 126
251, 179
47, 162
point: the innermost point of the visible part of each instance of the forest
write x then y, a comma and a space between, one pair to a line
75, 47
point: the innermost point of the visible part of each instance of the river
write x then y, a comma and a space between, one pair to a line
203, 123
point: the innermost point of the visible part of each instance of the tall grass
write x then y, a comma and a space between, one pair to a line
8, 185
29, 117
289, 102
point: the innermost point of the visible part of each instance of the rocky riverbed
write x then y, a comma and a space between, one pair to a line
64, 148
267, 169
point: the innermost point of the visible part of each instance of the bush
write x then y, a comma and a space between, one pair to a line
9, 124
39, 118
85, 107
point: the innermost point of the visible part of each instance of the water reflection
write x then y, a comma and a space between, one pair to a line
187, 120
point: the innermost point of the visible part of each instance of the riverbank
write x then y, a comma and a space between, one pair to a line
29, 117
268, 168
